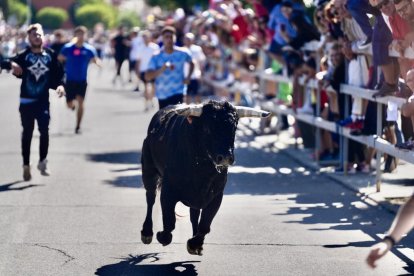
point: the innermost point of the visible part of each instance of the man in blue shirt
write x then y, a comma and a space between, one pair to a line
76, 56
167, 68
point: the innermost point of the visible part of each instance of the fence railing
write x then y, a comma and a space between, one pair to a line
373, 141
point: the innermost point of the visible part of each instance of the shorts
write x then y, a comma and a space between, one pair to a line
192, 88
75, 88
132, 64
173, 100
276, 48
142, 77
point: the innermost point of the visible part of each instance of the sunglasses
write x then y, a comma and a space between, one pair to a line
382, 4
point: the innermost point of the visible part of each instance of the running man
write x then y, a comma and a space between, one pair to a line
76, 56
147, 50
40, 71
167, 68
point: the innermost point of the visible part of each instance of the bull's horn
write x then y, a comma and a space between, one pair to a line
189, 110
243, 111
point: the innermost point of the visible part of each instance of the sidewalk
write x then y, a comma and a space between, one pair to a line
396, 187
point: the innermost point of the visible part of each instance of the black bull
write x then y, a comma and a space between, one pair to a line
187, 152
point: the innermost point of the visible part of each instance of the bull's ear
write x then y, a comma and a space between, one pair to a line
190, 119
189, 110
244, 111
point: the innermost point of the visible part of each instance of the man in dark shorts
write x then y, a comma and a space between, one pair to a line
120, 48
76, 55
167, 68
40, 71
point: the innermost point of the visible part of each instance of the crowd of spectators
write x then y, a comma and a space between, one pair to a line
335, 42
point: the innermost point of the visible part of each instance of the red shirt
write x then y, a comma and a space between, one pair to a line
400, 27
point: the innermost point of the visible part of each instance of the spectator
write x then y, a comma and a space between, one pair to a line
402, 224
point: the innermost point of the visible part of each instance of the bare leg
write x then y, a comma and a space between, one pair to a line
79, 114
71, 105
390, 72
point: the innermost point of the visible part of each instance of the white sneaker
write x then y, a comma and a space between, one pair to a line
42, 167
26, 173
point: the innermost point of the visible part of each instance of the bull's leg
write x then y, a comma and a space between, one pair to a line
168, 203
195, 244
146, 232
194, 217
150, 178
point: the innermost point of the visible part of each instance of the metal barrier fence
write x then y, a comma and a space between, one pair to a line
373, 141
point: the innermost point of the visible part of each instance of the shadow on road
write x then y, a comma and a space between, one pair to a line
312, 196
131, 266
123, 157
131, 176
130, 181
12, 186
401, 181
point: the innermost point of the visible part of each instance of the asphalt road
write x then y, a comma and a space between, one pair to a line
277, 218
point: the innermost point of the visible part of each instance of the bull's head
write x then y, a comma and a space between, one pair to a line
216, 127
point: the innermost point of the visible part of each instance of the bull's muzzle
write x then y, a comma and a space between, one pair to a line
224, 160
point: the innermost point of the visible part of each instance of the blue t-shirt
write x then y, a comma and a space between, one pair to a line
77, 60
171, 81
277, 19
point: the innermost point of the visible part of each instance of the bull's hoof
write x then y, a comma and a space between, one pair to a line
146, 238
194, 247
164, 238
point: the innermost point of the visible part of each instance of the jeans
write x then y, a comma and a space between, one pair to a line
28, 114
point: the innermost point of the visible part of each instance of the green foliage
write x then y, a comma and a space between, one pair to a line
128, 19
4, 7
18, 10
91, 14
88, 2
51, 18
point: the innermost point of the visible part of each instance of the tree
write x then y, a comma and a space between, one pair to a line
4, 7
91, 14
18, 10
52, 18
128, 19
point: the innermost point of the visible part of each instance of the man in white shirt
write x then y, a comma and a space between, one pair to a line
136, 45
146, 51
198, 59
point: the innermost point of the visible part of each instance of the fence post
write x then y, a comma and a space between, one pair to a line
318, 130
345, 140
378, 154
